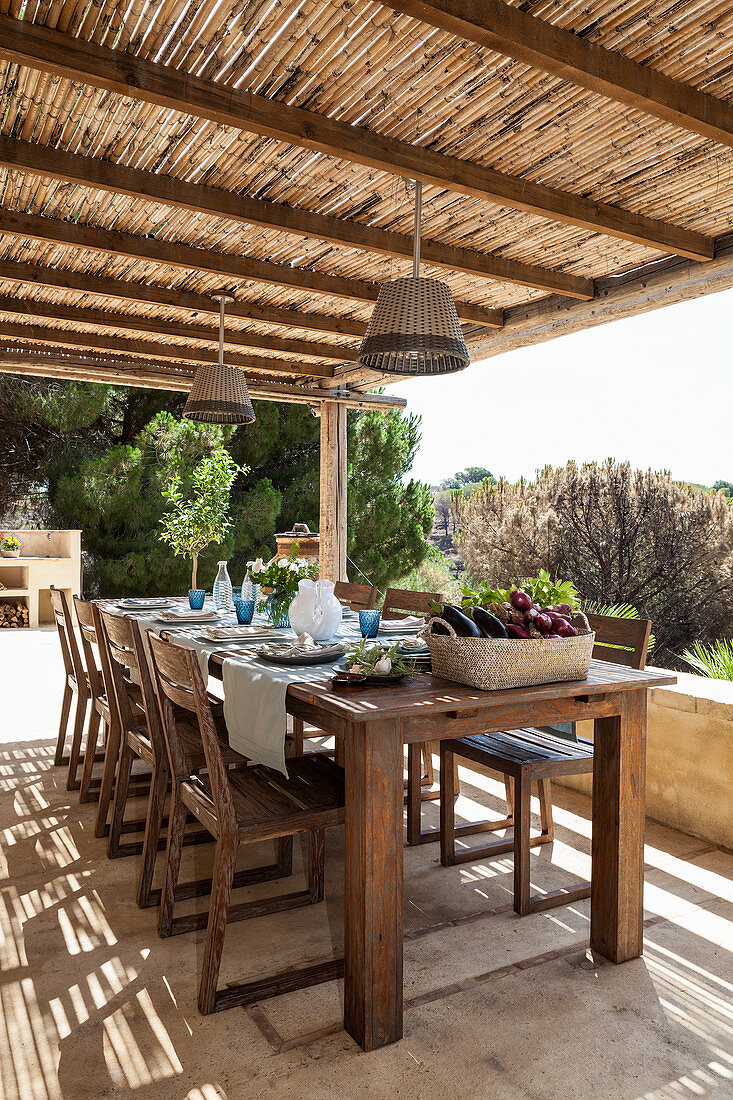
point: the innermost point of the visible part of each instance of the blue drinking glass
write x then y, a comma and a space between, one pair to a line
245, 610
196, 597
369, 623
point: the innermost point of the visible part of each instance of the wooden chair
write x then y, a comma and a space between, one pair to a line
141, 737
238, 807
360, 597
399, 602
75, 683
526, 756
141, 784
100, 713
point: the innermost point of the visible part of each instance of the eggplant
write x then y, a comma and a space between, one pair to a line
440, 628
463, 626
488, 624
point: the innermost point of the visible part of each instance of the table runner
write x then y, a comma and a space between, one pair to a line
254, 690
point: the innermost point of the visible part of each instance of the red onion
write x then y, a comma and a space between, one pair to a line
520, 600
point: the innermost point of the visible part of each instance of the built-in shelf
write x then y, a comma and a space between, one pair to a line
48, 558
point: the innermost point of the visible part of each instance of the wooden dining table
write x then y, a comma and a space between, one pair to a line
375, 723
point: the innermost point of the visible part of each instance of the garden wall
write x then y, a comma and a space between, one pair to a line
689, 757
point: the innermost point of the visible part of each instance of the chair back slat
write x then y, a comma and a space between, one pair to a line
85, 618
69, 647
178, 678
105, 660
126, 652
172, 671
360, 597
622, 641
399, 602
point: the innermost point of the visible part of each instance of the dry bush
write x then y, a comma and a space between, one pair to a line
621, 535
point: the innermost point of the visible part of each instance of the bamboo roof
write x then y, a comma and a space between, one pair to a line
591, 142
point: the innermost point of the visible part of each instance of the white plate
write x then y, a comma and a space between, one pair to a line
144, 605
238, 635
400, 629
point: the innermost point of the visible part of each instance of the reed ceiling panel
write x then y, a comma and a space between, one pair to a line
362, 63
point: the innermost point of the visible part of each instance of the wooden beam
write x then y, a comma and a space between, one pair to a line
56, 363
154, 186
30, 44
508, 30
150, 294
646, 288
333, 519
154, 349
175, 254
29, 307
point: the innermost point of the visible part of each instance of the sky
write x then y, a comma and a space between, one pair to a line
655, 390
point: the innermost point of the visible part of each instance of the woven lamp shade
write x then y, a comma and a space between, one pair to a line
219, 395
414, 329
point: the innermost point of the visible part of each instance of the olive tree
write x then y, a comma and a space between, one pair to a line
621, 535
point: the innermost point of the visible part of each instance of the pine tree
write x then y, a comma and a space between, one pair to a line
101, 455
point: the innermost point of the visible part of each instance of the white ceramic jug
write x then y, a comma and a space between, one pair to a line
315, 610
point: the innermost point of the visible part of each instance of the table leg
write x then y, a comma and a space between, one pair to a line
618, 831
374, 900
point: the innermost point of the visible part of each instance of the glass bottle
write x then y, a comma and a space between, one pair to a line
250, 589
223, 589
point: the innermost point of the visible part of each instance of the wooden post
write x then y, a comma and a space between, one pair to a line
333, 491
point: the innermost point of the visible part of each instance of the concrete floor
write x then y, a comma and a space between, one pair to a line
95, 1005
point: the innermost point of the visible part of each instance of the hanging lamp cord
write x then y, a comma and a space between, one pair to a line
222, 305
418, 225
363, 574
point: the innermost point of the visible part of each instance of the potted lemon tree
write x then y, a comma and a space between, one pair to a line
192, 523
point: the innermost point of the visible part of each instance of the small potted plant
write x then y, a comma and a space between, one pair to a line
9, 546
192, 525
282, 576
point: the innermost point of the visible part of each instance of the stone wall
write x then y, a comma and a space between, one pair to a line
689, 759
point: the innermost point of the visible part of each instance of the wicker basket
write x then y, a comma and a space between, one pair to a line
494, 663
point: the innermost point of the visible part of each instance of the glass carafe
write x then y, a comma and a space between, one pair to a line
250, 588
223, 589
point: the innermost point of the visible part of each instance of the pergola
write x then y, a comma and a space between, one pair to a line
576, 163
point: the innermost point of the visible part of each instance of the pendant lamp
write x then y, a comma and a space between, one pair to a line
219, 393
414, 327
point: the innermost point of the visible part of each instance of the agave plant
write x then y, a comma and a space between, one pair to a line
714, 660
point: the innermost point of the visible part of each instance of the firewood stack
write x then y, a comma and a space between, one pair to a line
13, 614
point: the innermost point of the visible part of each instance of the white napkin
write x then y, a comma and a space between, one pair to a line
222, 633
410, 622
303, 646
175, 614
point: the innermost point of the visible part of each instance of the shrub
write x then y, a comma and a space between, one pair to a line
621, 535
433, 575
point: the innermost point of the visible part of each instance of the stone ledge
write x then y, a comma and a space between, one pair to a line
696, 695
